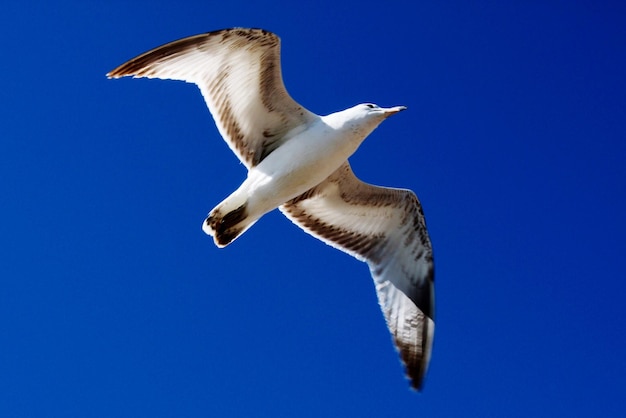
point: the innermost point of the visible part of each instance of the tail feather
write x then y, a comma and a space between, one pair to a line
225, 227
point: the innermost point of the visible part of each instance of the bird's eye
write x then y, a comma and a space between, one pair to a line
371, 106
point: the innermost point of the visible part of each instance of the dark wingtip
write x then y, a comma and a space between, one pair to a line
415, 375
416, 378
416, 366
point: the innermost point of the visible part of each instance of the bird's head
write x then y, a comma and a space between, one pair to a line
371, 110
370, 113
366, 117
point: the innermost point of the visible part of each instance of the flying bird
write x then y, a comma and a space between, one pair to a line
297, 161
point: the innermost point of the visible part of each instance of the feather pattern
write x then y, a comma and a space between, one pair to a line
239, 74
386, 228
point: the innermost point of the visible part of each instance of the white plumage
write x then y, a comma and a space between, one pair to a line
297, 161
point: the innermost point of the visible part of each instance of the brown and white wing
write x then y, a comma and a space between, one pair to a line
385, 228
239, 74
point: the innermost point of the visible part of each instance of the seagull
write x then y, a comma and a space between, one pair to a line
297, 162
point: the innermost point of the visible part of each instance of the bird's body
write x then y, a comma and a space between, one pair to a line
297, 161
321, 146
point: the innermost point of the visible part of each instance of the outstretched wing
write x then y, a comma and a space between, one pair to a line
239, 74
385, 228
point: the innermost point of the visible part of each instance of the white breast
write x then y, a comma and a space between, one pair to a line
299, 164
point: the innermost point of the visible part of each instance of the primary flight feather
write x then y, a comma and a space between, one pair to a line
297, 162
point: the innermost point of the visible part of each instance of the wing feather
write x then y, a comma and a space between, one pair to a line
386, 228
239, 74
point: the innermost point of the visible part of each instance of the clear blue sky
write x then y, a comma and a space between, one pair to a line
113, 302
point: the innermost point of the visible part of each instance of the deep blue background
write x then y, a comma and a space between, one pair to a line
114, 303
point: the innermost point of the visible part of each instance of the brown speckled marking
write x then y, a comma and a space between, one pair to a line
217, 89
268, 77
354, 192
415, 284
412, 355
252, 147
362, 244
